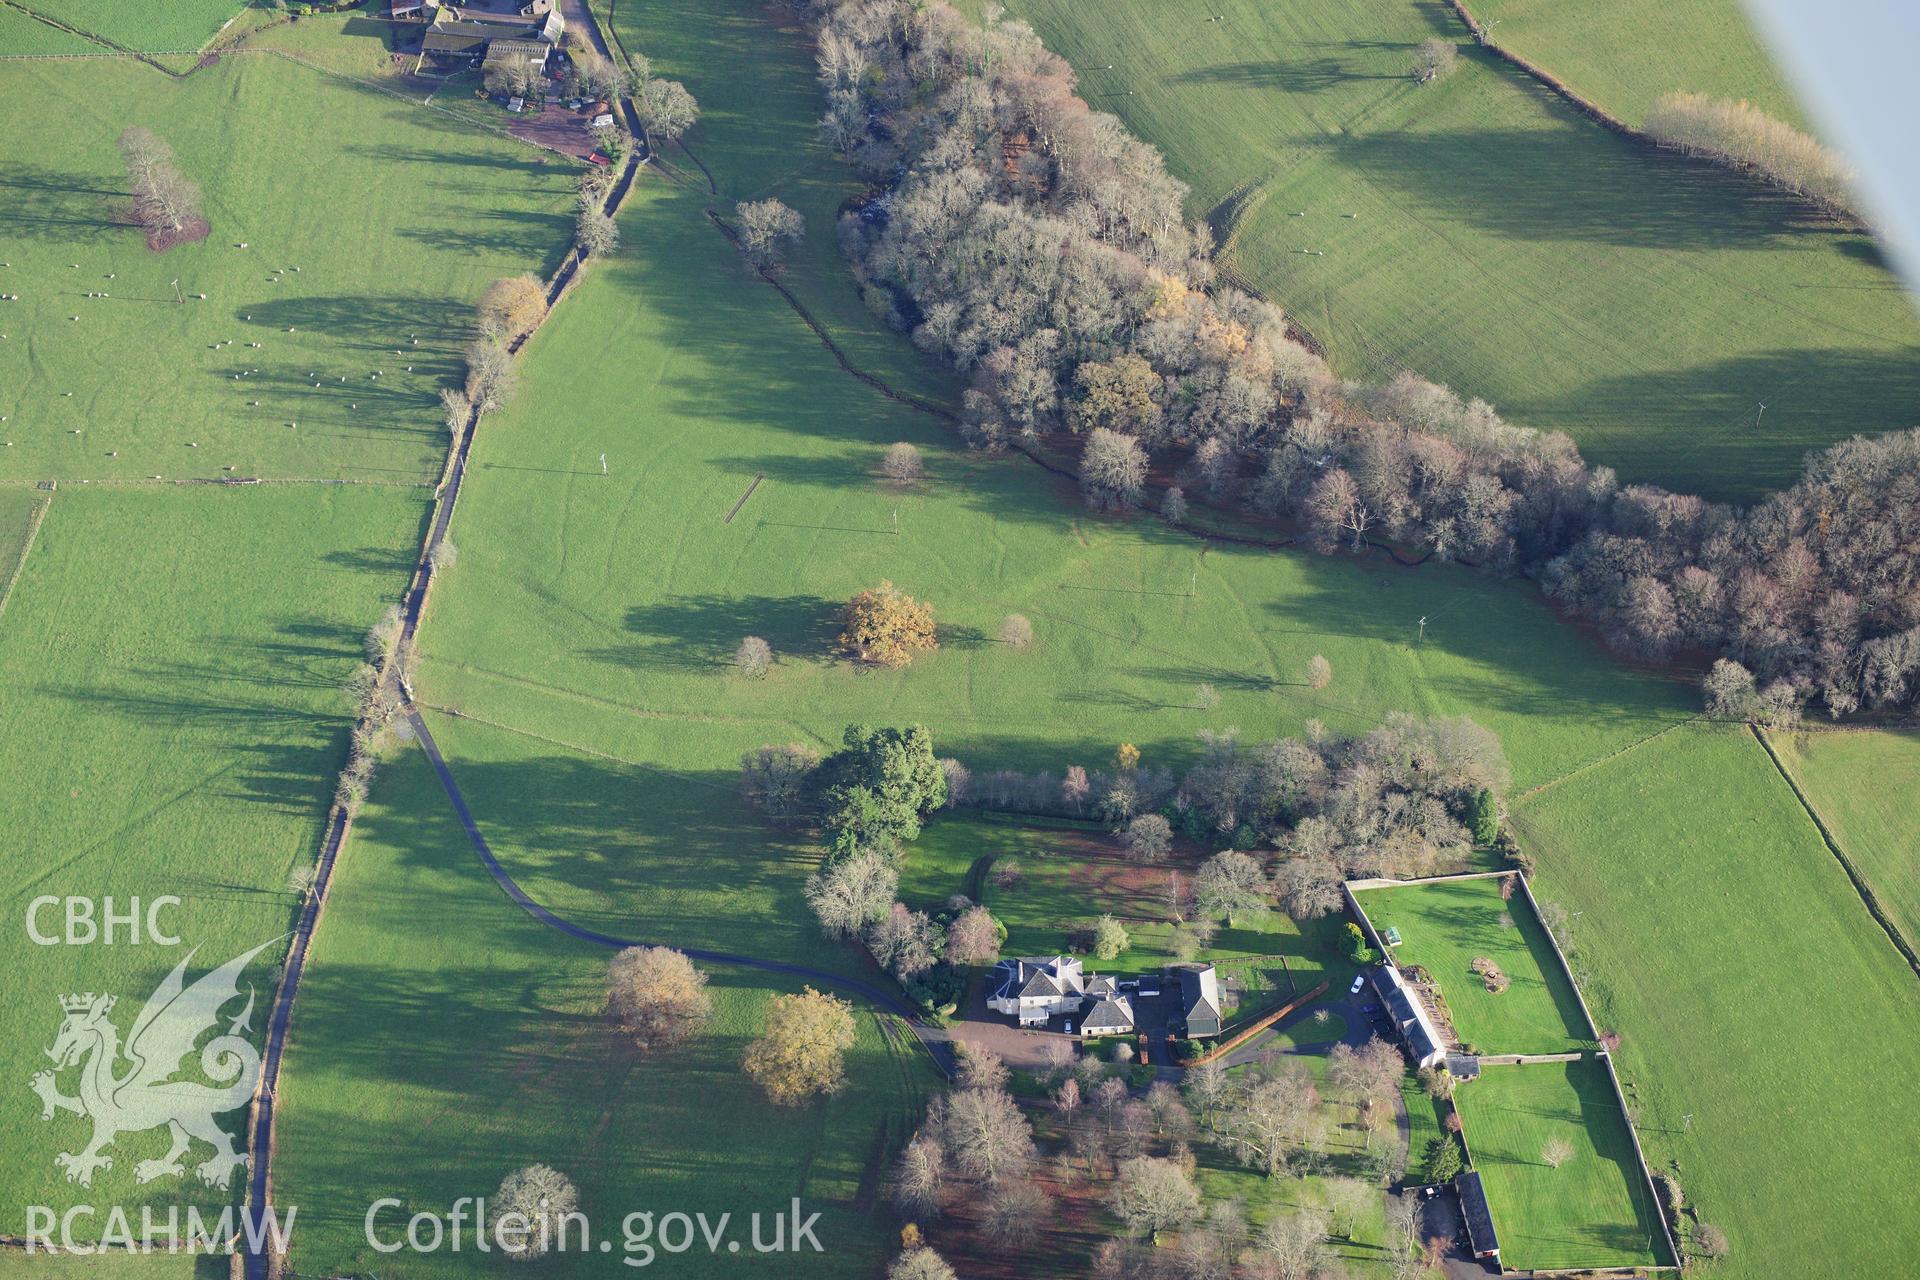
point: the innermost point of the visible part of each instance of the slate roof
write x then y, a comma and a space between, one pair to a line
1199, 996
1109, 1013
1473, 1208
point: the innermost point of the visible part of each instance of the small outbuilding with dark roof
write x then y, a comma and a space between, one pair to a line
1479, 1219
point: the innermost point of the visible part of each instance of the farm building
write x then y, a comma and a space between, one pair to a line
1479, 1218
1199, 988
533, 53
1423, 1042
453, 38
409, 10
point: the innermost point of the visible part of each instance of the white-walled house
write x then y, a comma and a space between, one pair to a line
1035, 989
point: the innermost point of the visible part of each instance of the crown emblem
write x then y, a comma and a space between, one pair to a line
85, 1002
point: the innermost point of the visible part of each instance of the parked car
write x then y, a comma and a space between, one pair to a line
1359, 981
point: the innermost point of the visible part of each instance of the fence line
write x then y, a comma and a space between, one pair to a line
1261, 1024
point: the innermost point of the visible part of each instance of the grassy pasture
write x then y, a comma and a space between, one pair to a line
172, 26
1764, 1014
22, 35
1622, 54
751, 67
172, 724
17, 511
16, 1265
1482, 232
1863, 785
1594, 1210
1446, 926
629, 590
437, 210
438, 1047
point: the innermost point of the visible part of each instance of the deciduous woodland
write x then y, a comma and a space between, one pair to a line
1041, 249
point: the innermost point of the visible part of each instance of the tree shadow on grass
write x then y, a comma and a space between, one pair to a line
704, 630
50, 204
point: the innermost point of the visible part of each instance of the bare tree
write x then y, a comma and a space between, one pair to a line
1148, 838
906, 943
1015, 631
163, 200
920, 1263
852, 893
1016, 1211
1152, 1194
986, 1135
596, 231
1435, 59
768, 229
920, 1176
1113, 470
901, 464
754, 658
666, 109
1266, 1123
544, 1199
973, 938
1229, 884
1319, 673
1555, 1152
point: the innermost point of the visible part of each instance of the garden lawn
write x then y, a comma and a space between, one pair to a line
1763, 1012
444, 1038
1595, 1210
1622, 54
1864, 787
1445, 926
171, 26
1484, 233
133, 383
173, 724
1071, 875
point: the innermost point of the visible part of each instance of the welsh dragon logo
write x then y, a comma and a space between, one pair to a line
129, 1088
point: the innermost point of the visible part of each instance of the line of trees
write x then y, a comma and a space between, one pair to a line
1038, 247
1410, 797
1742, 135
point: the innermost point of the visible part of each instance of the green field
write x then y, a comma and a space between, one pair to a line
1594, 1210
424, 964
170, 26
1071, 874
16, 1265
174, 719
22, 35
1622, 54
1447, 925
1484, 233
437, 209
1863, 785
18, 510
1762, 1011
752, 69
